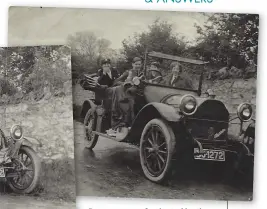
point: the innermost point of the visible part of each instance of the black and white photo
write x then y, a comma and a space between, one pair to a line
36, 128
164, 102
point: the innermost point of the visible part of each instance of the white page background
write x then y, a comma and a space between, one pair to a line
242, 6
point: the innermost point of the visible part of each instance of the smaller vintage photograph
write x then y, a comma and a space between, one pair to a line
36, 128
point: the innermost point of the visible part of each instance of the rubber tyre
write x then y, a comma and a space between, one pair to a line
37, 171
170, 141
90, 115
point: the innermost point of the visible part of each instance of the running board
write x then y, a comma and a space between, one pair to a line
107, 136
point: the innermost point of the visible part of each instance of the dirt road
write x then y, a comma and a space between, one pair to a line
23, 202
113, 169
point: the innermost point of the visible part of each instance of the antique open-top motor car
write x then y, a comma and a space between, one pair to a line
20, 165
172, 124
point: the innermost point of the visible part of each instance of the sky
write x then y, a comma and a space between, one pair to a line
51, 26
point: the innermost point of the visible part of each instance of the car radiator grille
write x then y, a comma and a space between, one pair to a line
209, 122
206, 129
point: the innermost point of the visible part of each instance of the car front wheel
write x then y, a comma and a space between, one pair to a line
28, 170
157, 147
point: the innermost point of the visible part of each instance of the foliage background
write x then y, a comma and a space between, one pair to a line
30, 73
36, 92
225, 39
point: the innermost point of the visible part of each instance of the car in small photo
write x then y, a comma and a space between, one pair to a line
20, 165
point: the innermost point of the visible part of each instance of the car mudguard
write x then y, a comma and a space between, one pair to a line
87, 104
31, 141
250, 131
25, 141
147, 113
167, 112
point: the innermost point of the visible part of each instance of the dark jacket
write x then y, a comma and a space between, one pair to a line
104, 79
181, 81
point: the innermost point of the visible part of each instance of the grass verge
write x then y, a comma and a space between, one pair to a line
57, 181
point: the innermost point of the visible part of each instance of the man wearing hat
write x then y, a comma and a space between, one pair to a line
106, 77
177, 78
154, 74
107, 74
122, 102
119, 95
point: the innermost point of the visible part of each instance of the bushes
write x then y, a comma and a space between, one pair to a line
7, 87
48, 73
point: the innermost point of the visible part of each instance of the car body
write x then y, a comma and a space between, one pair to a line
173, 123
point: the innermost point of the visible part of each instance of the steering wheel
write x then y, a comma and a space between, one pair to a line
156, 78
156, 71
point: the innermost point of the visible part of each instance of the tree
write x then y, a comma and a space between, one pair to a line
229, 36
52, 68
159, 37
19, 62
102, 46
6, 87
87, 50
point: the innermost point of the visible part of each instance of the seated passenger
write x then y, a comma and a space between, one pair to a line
120, 101
154, 74
128, 75
122, 108
177, 78
107, 74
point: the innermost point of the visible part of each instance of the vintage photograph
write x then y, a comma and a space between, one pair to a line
36, 128
164, 102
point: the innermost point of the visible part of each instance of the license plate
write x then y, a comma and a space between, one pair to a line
213, 155
2, 173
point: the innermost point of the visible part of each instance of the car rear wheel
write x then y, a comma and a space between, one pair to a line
157, 147
90, 121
